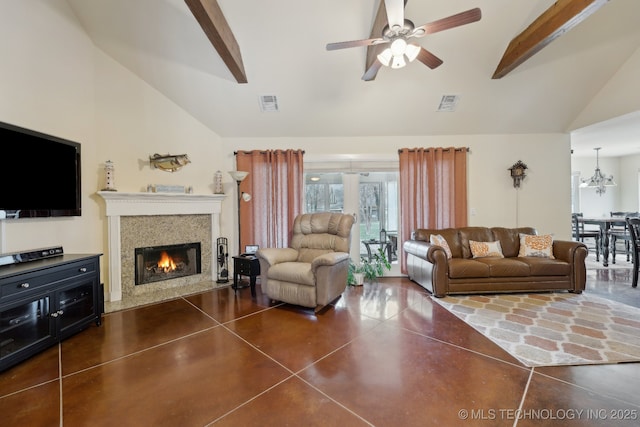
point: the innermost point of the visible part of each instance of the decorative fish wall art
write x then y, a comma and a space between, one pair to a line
168, 162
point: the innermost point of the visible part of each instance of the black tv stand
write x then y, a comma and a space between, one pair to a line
45, 301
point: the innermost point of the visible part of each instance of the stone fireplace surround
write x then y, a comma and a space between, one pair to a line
147, 219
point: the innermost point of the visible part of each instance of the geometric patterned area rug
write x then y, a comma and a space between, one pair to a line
553, 329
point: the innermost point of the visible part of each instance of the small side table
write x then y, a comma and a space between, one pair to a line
386, 246
246, 266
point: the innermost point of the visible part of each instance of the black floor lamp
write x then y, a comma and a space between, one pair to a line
239, 176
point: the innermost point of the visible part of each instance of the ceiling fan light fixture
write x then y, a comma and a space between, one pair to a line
385, 57
398, 62
396, 55
398, 47
412, 51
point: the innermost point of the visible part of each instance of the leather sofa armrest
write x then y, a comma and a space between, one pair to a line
425, 250
433, 272
575, 254
564, 250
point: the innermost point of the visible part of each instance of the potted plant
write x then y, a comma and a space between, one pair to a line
355, 276
368, 269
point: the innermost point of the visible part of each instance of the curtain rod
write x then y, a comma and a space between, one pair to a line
467, 149
235, 153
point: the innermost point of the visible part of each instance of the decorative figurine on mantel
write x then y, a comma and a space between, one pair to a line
108, 176
217, 183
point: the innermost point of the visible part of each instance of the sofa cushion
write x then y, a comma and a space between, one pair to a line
485, 249
536, 246
506, 267
547, 266
438, 240
460, 268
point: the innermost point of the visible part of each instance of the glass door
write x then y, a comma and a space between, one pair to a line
372, 196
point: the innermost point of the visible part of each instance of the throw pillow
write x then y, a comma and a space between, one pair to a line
438, 240
485, 249
536, 246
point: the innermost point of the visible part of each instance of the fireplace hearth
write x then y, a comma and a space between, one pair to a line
159, 263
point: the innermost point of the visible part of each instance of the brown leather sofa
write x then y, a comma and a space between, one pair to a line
429, 266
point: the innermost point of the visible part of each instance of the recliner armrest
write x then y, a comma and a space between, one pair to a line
277, 255
332, 258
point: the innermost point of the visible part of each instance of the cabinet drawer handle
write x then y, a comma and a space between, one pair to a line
57, 313
83, 269
24, 285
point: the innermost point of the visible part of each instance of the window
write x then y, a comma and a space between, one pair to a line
372, 195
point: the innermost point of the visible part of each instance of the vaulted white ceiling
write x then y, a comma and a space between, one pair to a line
321, 94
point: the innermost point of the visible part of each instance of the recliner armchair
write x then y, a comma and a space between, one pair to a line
312, 271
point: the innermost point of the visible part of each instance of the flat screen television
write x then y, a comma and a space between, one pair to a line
41, 176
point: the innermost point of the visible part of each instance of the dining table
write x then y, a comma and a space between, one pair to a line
605, 224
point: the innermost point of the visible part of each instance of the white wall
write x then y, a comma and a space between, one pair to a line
620, 96
628, 181
55, 81
46, 82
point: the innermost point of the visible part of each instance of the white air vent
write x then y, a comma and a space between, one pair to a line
268, 103
448, 103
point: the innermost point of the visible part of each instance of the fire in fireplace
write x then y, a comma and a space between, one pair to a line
157, 263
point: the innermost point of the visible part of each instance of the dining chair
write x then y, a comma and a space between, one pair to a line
579, 233
620, 233
633, 225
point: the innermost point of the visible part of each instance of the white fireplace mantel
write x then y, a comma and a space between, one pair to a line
134, 204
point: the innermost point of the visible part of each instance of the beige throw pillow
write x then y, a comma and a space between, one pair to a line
536, 246
438, 240
486, 249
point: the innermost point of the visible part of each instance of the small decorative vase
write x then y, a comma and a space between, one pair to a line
217, 183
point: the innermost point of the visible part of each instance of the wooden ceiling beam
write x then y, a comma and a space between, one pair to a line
562, 16
371, 68
215, 26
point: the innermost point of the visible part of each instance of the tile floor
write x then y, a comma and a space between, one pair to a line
385, 355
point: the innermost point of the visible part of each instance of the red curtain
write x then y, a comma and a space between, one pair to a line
275, 183
433, 190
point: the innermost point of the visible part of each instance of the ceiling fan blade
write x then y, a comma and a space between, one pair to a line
371, 73
452, 21
428, 58
395, 12
355, 43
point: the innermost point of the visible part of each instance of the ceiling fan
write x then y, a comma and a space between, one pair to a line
398, 32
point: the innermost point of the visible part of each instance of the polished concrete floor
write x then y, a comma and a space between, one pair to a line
385, 355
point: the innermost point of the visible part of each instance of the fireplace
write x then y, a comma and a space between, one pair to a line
158, 263
150, 220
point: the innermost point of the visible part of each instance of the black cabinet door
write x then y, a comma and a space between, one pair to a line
26, 326
76, 306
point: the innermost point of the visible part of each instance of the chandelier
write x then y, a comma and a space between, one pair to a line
598, 181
